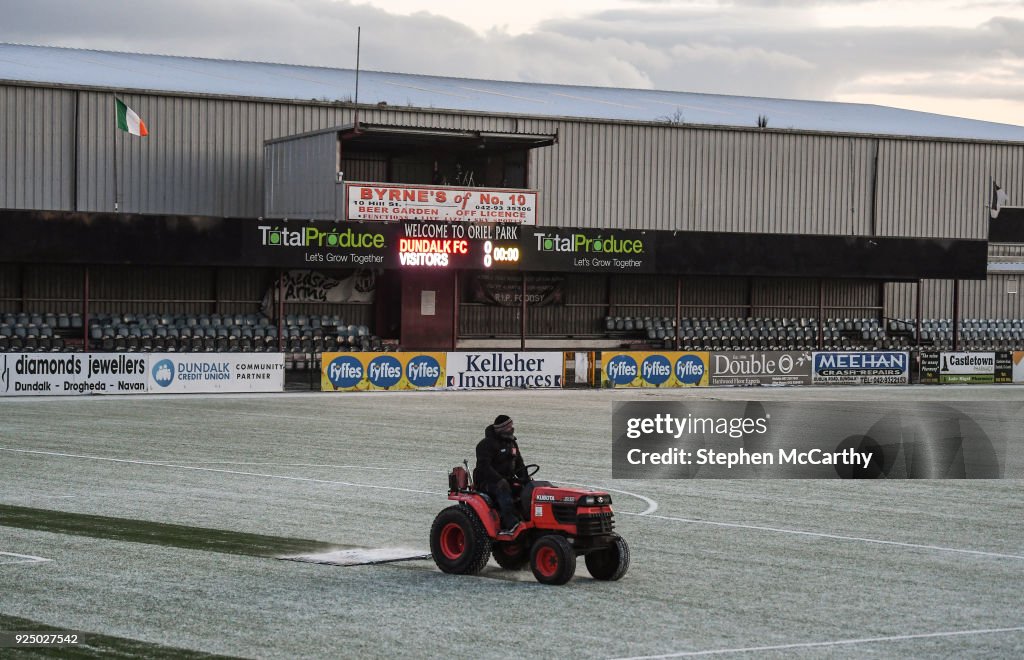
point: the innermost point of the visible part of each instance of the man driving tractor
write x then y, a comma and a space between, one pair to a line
499, 464
555, 526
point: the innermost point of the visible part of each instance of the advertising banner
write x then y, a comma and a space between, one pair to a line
393, 201
588, 250
433, 245
960, 367
861, 368
72, 373
358, 372
763, 368
654, 369
177, 373
505, 370
1018, 366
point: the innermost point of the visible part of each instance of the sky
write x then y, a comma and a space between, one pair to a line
951, 57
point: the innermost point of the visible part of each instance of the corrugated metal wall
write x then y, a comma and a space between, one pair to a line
202, 156
587, 300
943, 189
37, 147
301, 178
364, 166
164, 290
661, 177
581, 313
978, 299
137, 289
10, 288
52, 288
205, 156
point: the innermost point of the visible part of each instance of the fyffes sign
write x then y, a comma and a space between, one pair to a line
583, 243
662, 369
387, 371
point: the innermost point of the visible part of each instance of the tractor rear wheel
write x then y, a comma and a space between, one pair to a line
552, 559
459, 542
609, 563
511, 555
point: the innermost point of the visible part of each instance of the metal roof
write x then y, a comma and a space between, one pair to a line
189, 75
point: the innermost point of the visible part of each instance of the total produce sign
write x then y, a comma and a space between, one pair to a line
654, 369
411, 244
393, 202
588, 250
354, 372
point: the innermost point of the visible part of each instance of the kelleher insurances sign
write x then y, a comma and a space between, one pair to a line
505, 370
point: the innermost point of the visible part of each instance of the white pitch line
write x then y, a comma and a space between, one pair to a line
836, 537
216, 470
23, 559
838, 642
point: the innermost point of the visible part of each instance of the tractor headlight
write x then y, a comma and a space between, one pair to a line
596, 500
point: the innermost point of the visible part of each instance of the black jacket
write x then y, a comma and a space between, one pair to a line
497, 458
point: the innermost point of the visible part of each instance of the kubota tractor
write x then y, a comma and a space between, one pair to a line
558, 524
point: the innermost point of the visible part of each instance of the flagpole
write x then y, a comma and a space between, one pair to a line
114, 142
359, 39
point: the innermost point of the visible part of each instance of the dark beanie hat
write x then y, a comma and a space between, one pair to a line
502, 423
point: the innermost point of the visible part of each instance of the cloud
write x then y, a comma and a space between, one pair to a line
773, 48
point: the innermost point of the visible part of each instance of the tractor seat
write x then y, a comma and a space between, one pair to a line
526, 497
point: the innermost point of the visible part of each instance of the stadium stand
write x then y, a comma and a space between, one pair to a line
312, 335
792, 333
130, 332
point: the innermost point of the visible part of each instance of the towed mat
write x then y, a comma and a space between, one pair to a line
360, 556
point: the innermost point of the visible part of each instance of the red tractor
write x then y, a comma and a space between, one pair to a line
558, 525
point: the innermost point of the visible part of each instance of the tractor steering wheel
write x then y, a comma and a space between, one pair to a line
529, 472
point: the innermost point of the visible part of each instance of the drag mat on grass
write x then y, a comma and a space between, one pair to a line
360, 556
154, 533
93, 645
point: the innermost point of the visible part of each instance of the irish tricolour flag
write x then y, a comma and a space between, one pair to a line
127, 120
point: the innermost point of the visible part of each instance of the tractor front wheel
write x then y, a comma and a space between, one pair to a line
459, 542
553, 560
609, 563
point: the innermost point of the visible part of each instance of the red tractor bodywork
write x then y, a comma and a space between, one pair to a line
557, 525
551, 508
